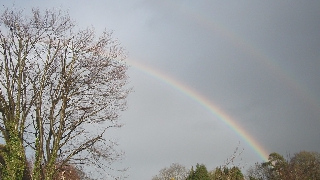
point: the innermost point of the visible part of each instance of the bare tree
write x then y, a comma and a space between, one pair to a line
61, 90
175, 171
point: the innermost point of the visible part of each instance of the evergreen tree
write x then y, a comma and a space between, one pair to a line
191, 174
201, 173
225, 173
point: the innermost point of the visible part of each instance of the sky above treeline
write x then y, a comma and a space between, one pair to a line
210, 76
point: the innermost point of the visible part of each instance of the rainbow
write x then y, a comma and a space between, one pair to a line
261, 58
247, 47
213, 108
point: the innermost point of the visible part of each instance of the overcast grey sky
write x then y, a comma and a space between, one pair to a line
258, 61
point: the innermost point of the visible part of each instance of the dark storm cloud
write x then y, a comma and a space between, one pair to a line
257, 60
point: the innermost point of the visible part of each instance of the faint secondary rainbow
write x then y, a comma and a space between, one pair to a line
213, 108
259, 56
248, 47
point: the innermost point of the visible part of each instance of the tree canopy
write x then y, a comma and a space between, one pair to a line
302, 165
174, 172
61, 89
200, 173
225, 173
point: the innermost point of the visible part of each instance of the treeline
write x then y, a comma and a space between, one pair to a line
299, 166
302, 165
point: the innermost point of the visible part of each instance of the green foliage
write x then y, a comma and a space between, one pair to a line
225, 173
14, 163
201, 173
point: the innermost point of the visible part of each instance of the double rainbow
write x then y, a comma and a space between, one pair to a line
213, 108
243, 45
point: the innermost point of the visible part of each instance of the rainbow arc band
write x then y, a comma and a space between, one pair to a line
247, 47
213, 108
250, 48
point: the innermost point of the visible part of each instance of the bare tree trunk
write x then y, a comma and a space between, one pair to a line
11, 102
55, 84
